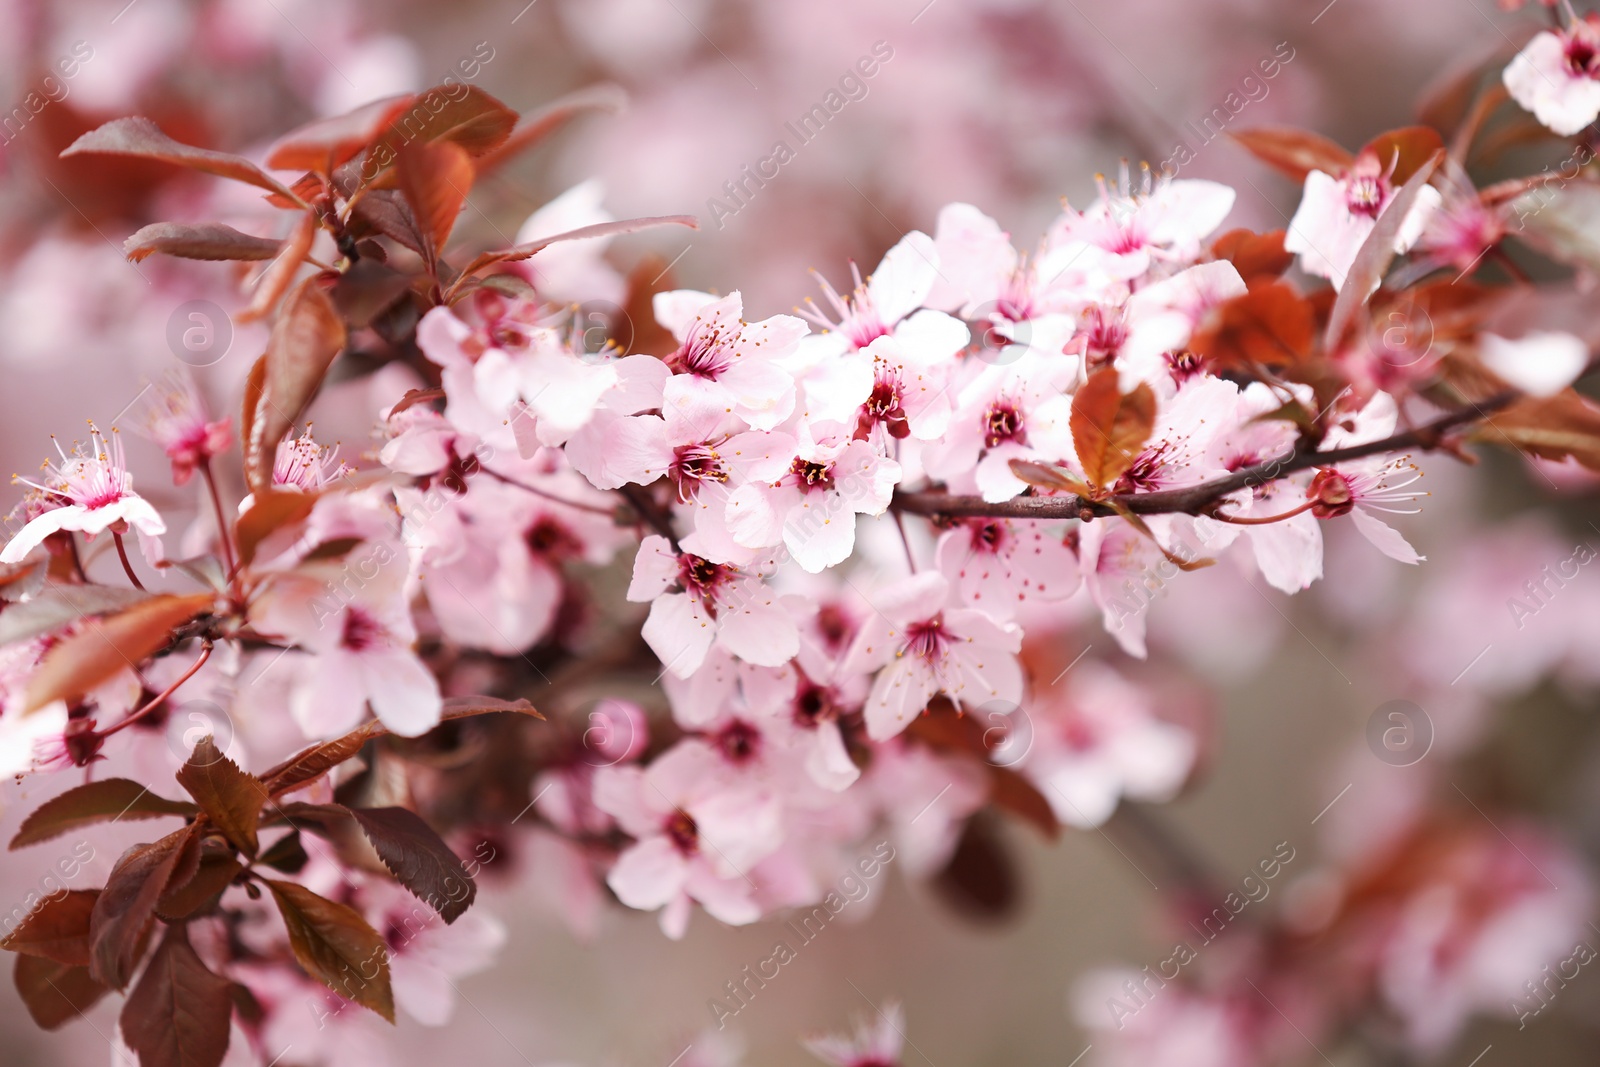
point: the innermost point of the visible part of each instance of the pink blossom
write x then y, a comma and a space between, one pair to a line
1337, 213
922, 643
91, 491
727, 363
877, 1042
171, 414
1557, 76
696, 836
1001, 564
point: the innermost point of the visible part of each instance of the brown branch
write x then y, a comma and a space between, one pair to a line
1194, 499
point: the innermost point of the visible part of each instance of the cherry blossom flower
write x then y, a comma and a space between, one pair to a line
726, 363
1337, 213
695, 604
877, 1042
1159, 319
811, 507
1126, 231
1557, 76
356, 646
300, 465
922, 643
92, 492
1377, 483
1102, 741
1000, 564
1014, 410
696, 836
171, 414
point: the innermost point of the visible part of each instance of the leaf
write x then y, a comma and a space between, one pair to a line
138, 136
419, 859
1271, 325
1253, 254
980, 882
58, 929
279, 274
1407, 149
535, 127
1011, 792
286, 854
108, 644
231, 798
366, 290
435, 180
204, 240
336, 946
213, 875
1555, 428
178, 1014
55, 993
474, 120
306, 337
1294, 152
108, 800
307, 766
58, 605
251, 444
1109, 428
1373, 258
270, 510
1047, 477
599, 229
127, 905
322, 145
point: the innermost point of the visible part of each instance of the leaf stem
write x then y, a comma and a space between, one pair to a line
160, 698
122, 554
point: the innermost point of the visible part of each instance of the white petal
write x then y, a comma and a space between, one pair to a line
1387, 539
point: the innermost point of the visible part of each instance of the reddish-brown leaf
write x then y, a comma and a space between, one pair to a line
435, 179
108, 644
107, 800
270, 510
1272, 325
126, 907
1559, 427
55, 993
599, 229
981, 881
1294, 152
1373, 258
324, 144
306, 337
1109, 428
419, 859
1254, 254
231, 798
535, 127
279, 274
214, 873
202, 240
178, 1014
138, 136
58, 929
1406, 150
366, 290
472, 119
1012, 793
54, 607
336, 946
1047, 477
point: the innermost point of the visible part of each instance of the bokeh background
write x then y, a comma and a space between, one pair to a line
1007, 104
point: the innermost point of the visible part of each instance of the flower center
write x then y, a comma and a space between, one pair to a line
361, 631
551, 539
988, 537
692, 466
1003, 423
1581, 55
702, 353
700, 577
739, 741
811, 474
683, 832
884, 406
1365, 195
813, 705
926, 640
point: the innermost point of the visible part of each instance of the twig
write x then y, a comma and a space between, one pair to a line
122, 554
1191, 500
652, 513
222, 522
160, 698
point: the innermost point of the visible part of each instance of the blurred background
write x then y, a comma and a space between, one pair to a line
1007, 104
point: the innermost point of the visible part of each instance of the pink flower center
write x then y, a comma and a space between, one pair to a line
692, 466
738, 741
681, 830
551, 540
884, 406
989, 537
361, 631
1365, 195
813, 705
701, 578
1581, 55
927, 639
702, 354
812, 475
1003, 423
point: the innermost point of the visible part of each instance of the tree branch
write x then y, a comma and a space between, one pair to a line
1194, 499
